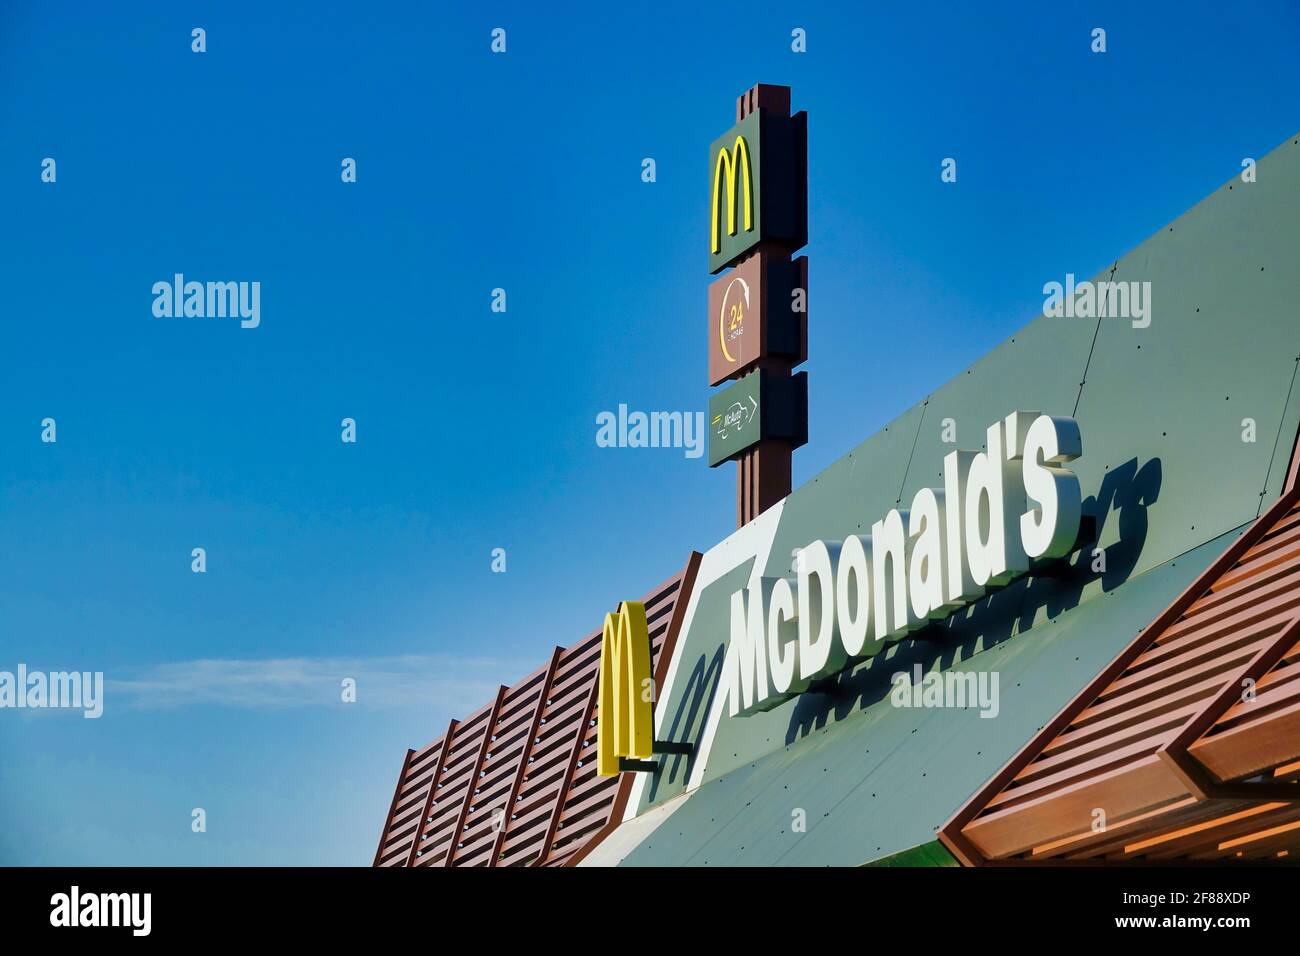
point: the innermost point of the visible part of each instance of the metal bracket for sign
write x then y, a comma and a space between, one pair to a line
626, 764
682, 749
661, 747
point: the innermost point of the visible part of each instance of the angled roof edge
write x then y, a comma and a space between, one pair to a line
1194, 780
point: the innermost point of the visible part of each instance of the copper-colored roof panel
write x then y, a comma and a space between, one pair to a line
1187, 746
1251, 747
1126, 790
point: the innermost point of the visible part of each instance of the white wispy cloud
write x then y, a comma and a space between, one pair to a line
459, 685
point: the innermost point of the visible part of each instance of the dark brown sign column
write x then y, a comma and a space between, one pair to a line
763, 477
758, 315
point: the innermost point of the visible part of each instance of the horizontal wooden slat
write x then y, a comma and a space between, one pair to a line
1166, 714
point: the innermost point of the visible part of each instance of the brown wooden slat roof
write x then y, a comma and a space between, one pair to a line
515, 782
1166, 742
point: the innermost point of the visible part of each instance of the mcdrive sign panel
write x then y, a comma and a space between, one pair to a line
757, 407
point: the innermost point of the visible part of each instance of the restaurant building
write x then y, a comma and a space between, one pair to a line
1048, 614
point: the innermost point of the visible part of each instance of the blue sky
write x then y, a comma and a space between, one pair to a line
476, 430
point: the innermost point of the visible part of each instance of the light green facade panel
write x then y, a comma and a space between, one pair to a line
1163, 410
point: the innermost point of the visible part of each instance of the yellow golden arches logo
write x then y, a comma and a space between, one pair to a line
625, 720
728, 167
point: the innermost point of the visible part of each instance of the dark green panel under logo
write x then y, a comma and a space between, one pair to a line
758, 406
762, 150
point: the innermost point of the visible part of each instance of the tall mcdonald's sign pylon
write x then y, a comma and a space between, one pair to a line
758, 306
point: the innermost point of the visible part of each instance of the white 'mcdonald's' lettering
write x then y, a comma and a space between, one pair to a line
998, 510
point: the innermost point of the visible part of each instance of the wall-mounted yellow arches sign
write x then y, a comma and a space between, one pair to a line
625, 719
